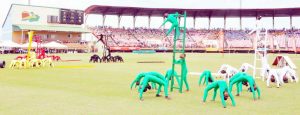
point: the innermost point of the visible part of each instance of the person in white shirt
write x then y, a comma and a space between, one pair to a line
265, 66
281, 76
245, 66
286, 73
257, 26
272, 76
227, 71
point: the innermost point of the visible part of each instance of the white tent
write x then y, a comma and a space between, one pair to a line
9, 44
54, 45
33, 44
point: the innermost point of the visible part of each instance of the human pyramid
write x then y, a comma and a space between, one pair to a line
231, 76
31, 63
30, 60
143, 80
280, 76
239, 78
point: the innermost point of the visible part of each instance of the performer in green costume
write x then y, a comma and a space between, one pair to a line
206, 74
142, 75
183, 70
169, 73
246, 78
224, 92
151, 78
172, 18
238, 85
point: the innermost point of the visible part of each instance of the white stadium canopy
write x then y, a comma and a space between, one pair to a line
9, 44
54, 45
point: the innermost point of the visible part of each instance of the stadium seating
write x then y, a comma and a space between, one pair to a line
156, 38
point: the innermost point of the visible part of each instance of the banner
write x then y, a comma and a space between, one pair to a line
125, 48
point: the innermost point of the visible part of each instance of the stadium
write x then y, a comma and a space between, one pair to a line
139, 59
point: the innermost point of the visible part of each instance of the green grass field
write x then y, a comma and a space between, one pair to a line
104, 88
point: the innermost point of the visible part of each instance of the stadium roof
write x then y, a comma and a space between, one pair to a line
139, 11
19, 27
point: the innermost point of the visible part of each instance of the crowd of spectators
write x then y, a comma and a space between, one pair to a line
195, 38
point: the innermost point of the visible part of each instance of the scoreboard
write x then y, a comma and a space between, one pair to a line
68, 16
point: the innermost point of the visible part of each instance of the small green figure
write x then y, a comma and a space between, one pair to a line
224, 92
184, 71
173, 19
246, 78
206, 74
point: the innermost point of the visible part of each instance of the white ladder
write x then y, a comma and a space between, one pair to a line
260, 48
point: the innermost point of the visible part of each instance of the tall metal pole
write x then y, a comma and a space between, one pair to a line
241, 15
224, 26
291, 22
240, 4
149, 21
133, 19
194, 22
103, 19
209, 21
119, 21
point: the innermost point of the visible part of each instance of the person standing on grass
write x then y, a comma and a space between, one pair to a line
183, 70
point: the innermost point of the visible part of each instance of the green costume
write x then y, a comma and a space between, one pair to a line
169, 75
154, 78
207, 77
150, 78
183, 72
245, 78
172, 18
222, 85
238, 85
142, 75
